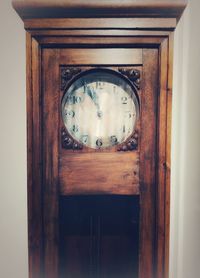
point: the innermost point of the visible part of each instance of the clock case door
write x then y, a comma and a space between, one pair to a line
99, 207
85, 170
82, 171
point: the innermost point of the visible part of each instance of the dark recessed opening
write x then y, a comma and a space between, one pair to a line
99, 236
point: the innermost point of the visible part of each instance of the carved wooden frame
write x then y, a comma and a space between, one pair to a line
68, 73
133, 75
68, 142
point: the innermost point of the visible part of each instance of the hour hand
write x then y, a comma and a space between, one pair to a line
93, 95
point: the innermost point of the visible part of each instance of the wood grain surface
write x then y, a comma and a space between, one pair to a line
99, 173
100, 23
34, 155
50, 79
148, 162
90, 8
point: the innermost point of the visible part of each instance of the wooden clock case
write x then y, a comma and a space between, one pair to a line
65, 38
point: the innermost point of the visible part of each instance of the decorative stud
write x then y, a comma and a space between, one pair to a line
129, 145
67, 74
133, 75
68, 143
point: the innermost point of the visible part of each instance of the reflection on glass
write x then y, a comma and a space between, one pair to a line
100, 109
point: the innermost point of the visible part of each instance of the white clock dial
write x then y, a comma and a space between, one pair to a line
100, 109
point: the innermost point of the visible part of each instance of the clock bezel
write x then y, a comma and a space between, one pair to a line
77, 73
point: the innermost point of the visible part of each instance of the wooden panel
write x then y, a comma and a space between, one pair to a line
99, 173
99, 32
101, 41
168, 155
34, 159
147, 162
164, 139
67, 8
50, 161
99, 56
101, 23
162, 159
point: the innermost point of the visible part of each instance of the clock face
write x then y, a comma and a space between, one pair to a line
100, 109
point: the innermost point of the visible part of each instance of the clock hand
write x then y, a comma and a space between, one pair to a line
93, 95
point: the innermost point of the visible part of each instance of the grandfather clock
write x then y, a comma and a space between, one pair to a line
99, 89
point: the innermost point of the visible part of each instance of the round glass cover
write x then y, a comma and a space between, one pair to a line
100, 109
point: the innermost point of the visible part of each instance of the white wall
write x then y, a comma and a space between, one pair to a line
13, 209
185, 198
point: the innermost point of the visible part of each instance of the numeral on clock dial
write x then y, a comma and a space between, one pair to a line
128, 114
70, 113
74, 128
84, 139
74, 99
129, 130
124, 100
101, 84
99, 142
113, 140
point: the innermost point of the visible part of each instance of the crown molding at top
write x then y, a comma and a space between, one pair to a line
30, 9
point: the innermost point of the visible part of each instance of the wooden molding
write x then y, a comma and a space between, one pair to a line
79, 8
105, 24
